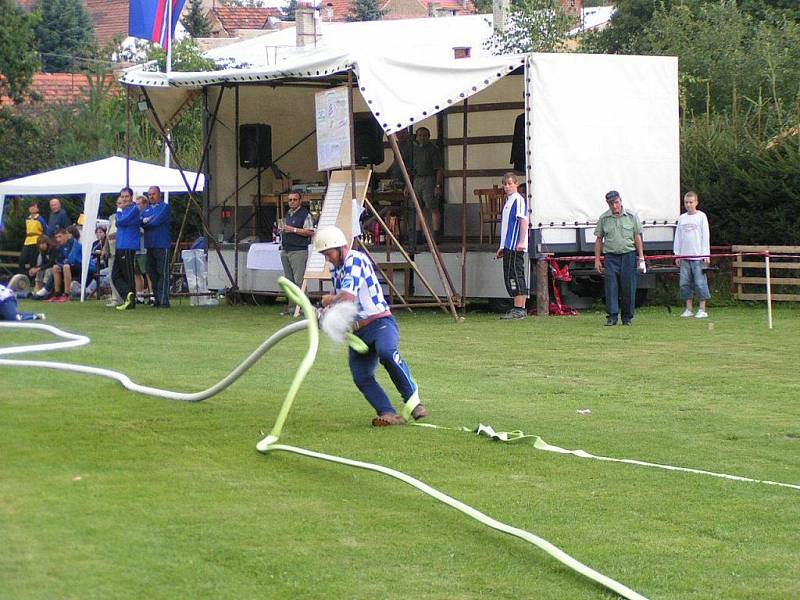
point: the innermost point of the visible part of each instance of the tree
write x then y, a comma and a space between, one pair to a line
17, 51
195, 20
288, 11
365, 10
533, 26
65, 35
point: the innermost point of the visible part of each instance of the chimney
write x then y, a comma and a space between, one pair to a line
462, 51
306, 26
500, 12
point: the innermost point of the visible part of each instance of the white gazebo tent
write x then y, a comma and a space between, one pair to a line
92, 179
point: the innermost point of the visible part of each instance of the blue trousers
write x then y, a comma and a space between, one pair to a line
620, 281
158, 270
8, 312
382, 337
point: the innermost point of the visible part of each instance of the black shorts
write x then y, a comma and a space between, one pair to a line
514, 273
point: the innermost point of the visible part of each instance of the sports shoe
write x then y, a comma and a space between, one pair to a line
419, 412
42, 293
610, 322
514, 314
40, 317
701, 314
130, 302
687, 313
387, 420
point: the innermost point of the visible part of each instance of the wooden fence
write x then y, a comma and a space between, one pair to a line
750, 276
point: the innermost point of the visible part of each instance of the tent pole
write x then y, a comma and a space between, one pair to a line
352, 134
464, 207
413, 195
127, 134
236, 199
192, 194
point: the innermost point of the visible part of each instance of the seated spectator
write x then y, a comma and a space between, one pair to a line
8, 308
41, 270
99, 252
68, 264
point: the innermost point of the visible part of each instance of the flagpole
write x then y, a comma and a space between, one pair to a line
169, 36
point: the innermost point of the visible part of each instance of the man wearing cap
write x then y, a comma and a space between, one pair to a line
619, 240
355, 280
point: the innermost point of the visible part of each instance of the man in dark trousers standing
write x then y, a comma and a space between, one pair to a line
157, 225
123, 275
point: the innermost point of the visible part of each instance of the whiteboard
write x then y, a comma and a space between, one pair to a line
333, 128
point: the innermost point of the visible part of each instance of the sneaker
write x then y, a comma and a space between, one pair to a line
627, 323
610, 322
40, 317
387, 420
419, 412
687, 313
42, 293
515, 313
130, 302
701, 314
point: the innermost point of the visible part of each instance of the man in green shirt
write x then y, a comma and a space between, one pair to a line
619, 240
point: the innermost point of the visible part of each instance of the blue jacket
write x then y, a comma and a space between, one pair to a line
128, 221
70, 253
157, 224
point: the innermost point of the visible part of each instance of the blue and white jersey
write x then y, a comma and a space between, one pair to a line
515, 208
357, 276
6, 294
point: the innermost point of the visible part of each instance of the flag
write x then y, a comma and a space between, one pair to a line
147, 19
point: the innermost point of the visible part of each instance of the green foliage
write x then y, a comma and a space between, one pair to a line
27, 145
195, 20
287, 12
533, 26
748, 179
65, 35
17, 51
725, 53
365, 10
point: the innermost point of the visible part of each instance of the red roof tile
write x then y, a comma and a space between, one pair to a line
399, 9
110, 18
61, 88
234, 18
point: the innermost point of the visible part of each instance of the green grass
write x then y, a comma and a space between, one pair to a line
108, 494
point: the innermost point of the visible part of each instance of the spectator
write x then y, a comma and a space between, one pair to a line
68, 264
110, 250
35, 225
296, 233
427, 176
97, 247
692, 239
123, 273
58, 219
41, 272
619, 238
355, 281
157, 224
513, 244
8, 308
140, 266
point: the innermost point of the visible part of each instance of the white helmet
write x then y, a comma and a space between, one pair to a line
329, 237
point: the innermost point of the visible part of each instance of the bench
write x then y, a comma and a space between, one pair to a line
9, 262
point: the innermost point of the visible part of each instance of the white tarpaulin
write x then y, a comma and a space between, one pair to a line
405, 69
93, 179
599, 123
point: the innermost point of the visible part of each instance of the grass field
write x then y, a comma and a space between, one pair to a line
108, 494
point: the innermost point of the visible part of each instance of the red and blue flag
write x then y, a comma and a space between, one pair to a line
147, 19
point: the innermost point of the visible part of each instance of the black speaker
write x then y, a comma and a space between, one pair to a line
255, 145
368, 141
518, 144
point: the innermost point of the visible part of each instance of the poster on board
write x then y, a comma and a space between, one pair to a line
333, 129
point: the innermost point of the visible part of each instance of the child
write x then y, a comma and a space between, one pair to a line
8, 308
692, 239
513, 244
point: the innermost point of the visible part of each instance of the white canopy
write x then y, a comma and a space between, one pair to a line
104, 176
406, 68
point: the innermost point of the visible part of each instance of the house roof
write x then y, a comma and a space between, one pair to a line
60, 88
400, 9
234, 18
110, 18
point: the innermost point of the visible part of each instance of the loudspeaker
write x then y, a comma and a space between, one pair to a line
255, 145
368, 141
518, 144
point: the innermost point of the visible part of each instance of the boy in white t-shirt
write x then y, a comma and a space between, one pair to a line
513, 244
692, 239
